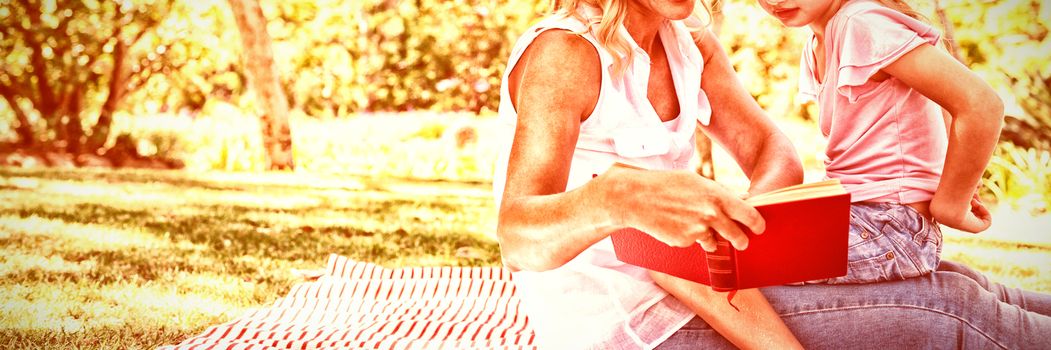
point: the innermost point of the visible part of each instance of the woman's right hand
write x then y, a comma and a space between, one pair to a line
679, 208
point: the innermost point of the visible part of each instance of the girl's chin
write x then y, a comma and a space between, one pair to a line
793, 24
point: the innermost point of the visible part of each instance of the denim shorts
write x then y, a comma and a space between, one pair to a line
889, 241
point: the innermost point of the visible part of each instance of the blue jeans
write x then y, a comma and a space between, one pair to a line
887, 242
953, 307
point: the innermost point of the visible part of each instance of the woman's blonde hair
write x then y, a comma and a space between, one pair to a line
611, 19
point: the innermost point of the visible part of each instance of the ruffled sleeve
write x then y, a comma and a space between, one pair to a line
869, 40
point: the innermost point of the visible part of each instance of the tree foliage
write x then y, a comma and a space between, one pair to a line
68, 65
381, 55
765, 56
1009, 42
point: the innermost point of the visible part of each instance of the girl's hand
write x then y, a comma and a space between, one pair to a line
979, 211
976, 219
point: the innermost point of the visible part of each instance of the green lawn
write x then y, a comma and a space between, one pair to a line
135, 259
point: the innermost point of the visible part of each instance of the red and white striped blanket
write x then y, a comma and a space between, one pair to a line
361, 305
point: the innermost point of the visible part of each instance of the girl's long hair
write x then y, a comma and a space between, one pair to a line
611, 18
903, 7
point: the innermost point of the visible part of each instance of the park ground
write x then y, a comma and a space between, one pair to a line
100, 259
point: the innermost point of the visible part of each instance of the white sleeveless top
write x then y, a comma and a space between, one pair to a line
594, 300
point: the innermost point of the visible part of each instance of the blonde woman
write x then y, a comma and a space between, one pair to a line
607, 81
599, 83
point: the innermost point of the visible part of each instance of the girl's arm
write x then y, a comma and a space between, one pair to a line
976, 118
770, 161
540, 225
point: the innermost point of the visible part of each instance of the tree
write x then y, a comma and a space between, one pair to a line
264, 78
69, 65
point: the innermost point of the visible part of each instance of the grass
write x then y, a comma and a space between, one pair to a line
94, 259
137, 259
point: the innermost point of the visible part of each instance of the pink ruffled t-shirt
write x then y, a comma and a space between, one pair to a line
886, 141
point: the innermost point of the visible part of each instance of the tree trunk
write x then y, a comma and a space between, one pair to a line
263, 77
26, 137
705, 165
74, 129
118, 84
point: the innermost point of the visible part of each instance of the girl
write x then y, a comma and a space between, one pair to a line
881, 86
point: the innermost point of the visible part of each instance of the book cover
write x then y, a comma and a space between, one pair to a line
805, 239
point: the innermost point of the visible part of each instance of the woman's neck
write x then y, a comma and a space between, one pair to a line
642, 28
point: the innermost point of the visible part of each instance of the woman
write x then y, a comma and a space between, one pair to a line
621, 81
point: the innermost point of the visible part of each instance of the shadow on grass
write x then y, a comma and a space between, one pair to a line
248, 182
218, 247
231, 230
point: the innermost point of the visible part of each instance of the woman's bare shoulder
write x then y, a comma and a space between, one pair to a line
562, 63
564, 53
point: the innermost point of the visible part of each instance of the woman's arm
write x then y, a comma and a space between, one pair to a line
770, 161
541, 226
977, 116
553, 88
738, 124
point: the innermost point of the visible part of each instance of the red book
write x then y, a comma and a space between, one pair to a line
805, 239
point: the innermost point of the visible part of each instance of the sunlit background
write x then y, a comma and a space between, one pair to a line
140, 199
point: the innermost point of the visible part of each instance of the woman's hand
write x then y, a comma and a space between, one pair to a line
679, 208
973, 218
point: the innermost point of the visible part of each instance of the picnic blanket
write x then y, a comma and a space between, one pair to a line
355, 305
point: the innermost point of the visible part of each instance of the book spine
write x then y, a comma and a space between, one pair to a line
722, 266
